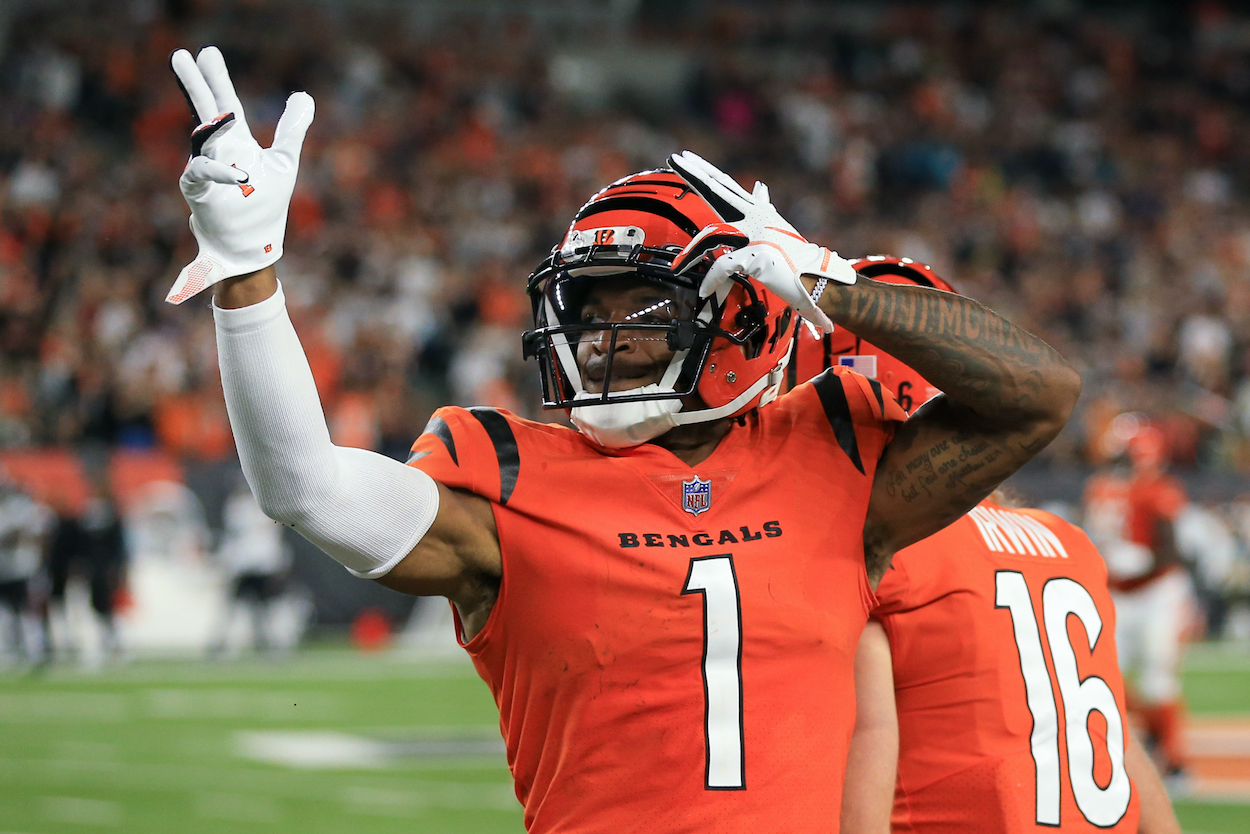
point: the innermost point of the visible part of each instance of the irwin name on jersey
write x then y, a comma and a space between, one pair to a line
770, 529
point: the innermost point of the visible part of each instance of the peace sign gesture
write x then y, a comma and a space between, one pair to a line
238, 191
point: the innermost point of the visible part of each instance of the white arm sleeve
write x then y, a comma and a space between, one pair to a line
365, 510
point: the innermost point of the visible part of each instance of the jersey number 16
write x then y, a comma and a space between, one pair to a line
1061, 597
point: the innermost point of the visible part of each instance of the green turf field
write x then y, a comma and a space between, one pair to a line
161, 746
243, 746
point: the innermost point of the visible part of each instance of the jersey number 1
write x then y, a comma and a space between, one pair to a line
714, 578
1062, 597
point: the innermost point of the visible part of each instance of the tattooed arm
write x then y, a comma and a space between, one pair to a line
1006, 395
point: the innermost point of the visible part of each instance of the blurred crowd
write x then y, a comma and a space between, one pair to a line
1085, 172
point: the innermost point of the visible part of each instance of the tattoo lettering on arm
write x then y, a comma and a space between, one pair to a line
1006, 395
919, 478
922, 484
978, 358
914, 479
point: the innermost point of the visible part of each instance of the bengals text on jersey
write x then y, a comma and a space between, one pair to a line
671, 647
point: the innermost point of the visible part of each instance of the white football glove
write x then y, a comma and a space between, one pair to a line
776, 255
238, 191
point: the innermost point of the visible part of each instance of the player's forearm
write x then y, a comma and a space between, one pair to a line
872, 762
1157, 816
365, 510
868, 792
1006, 377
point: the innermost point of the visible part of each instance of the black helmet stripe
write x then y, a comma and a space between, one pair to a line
685, 189
646, 204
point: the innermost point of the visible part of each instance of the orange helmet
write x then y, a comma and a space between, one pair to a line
813, 353
730, 348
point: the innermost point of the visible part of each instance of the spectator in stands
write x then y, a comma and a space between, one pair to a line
1083, 172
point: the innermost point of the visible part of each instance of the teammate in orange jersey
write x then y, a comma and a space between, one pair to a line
666, 615
1133, 523
988, 674
996, 637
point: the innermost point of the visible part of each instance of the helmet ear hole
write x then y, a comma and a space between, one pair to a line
753, 321
783, 325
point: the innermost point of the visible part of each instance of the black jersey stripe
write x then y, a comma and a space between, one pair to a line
838, 411
876, 389
504, 441
439, 428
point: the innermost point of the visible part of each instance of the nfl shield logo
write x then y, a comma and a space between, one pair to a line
696, 495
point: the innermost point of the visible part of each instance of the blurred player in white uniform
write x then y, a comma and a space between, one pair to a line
24, 526
1209, 547
1133, 520
257, 562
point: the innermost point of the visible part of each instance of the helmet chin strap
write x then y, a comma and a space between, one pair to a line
621, 425
770, 380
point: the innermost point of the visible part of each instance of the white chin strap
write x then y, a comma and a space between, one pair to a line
621, 425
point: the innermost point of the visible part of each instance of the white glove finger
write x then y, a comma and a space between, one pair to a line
213, 68
194, 87
203, 169
816, 316
699, 172
719, 273
729, 205
712, 174
288, 137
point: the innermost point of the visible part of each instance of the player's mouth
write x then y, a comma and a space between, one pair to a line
625, 375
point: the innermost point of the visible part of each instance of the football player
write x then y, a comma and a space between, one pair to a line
1133, 522
665, 613
988, 694
24, 527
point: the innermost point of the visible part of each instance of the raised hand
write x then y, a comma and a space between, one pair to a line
238, 191
777, 254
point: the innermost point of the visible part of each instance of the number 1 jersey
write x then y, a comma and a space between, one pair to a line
672, 647
1010, 701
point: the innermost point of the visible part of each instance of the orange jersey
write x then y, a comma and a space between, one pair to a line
1151, 497
671, 649
1119, 512
813, 353
1131, 508
1010, 700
